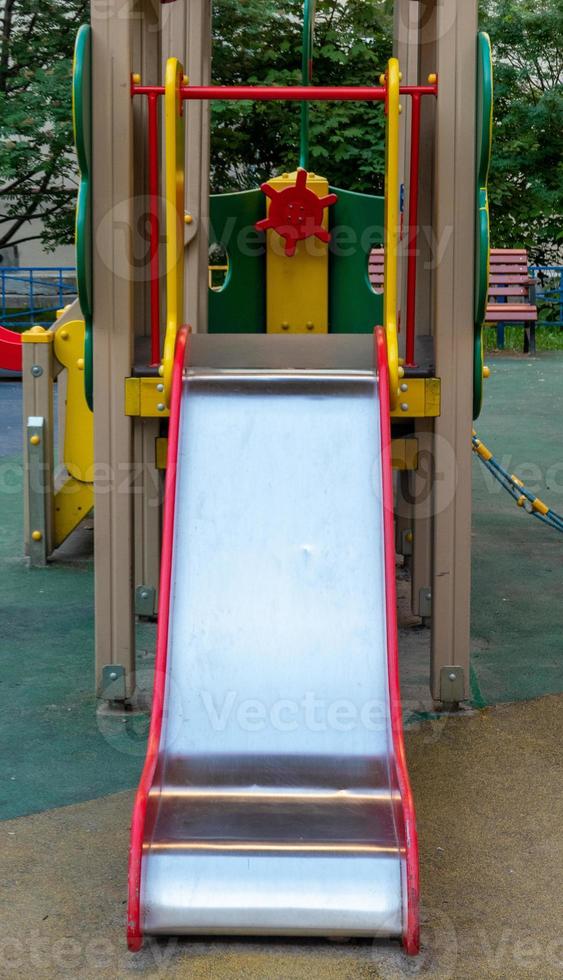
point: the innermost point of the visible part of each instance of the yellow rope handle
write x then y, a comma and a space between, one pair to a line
174, 196
391, 233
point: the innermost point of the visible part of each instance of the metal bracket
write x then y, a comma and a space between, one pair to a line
113, 683
425, 602
36, 473
405, 542
145, 600
452, 684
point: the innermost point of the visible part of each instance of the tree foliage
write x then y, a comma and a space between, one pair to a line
260, 41
526, 179
37, 165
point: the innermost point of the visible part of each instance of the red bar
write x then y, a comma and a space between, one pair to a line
412, 237
283, 93
152, 134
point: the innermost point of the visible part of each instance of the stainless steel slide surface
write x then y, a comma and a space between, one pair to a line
275, 806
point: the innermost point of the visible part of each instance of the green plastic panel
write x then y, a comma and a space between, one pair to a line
484, 117
356, 224
240, 306
82, 121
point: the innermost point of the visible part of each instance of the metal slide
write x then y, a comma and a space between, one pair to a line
275, 798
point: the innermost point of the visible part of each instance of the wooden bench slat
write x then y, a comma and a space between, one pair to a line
508, 291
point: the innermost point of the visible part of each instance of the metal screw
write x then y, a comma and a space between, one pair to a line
144, 594
160, 387
35, 440
428, 596
309, 325
36, 535
113, 675
37, 370
160, 407
404, 407
452, 676
404, 387
285, 326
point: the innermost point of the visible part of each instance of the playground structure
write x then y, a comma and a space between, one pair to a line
290, 337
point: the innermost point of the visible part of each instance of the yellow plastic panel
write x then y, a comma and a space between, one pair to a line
297, 287
72, 503
78, 449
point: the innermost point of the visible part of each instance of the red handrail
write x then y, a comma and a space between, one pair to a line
285, 93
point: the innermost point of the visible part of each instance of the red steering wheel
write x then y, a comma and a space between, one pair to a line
296, 212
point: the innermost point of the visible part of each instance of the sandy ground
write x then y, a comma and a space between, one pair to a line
488, 789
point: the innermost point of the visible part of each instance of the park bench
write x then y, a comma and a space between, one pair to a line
511, 291
512, 295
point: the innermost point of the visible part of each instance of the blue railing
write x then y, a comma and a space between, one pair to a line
32, 295
549, 293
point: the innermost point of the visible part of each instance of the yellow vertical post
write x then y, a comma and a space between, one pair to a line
174, 192
391, 231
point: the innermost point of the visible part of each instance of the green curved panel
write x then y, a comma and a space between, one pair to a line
240, 306
82, 122
356, 224
484, 134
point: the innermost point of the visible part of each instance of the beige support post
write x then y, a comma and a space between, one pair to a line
37, 373
146, 521
113, 271
451, 32
186, 31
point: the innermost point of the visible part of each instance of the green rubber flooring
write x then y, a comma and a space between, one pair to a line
56, 750
517, 564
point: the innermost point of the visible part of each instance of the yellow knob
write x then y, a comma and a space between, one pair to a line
382, 79
36, 329
161, 371
401, 372
80, 364
486, 371
400, 76
409, 536
136, 78
185, 80
310, 325
432, 78
35, 440
400, 108
63, 334
36, 535
188, 218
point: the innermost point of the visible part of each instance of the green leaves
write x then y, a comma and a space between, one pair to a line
37, 163
526, 179
352, 44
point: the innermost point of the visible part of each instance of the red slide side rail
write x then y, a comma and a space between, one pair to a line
10, 350
411, 935
134, 929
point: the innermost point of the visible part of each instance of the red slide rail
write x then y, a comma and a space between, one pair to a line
411, 934
134, 928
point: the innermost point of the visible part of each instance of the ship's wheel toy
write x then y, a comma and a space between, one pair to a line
296, 212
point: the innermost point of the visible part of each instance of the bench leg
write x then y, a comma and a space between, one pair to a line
500, 335
530, 338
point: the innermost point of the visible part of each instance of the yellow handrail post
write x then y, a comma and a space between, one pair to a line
174, 193
391, 231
